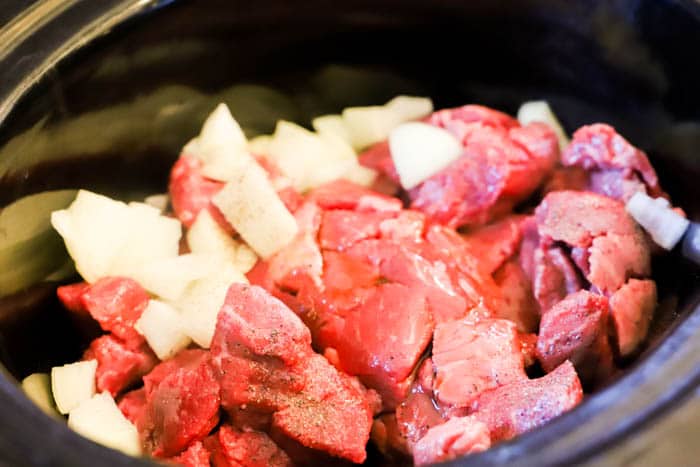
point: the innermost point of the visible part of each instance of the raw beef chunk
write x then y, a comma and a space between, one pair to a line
458, 437
119, 365
515, 408
230, 447
263, 356
632, 308
502, 164
472, 357
196, 455
116, 303
617, 168
616, 246
182, 403
576, 329
190, 192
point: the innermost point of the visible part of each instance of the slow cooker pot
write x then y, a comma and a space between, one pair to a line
102, 93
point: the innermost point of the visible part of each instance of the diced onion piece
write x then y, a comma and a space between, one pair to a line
333, 124
665, 226
369, 125
159, 201
409, 108
419, 151
260, 145
100, 420
72, 384
37, 387
220, 131
169, 277
202, 301
361, 175
106, 237
206, 236
161, 325
221, 146
540, 111
251, 205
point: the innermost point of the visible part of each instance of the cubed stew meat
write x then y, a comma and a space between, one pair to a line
434, 322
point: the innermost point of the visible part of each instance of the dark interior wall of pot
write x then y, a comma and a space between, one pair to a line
112, 116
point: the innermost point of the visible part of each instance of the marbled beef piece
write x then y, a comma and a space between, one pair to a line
463, 121
381, 340
472, 357
495, 172
617, 168
332, 414
418, 412
230, 447
614, 258
116, 303
196, 455
493, 244
617, 247
342, 228
182, 403
576, 329
264, 360
520, 406
555, 277
413, 266
132, 404
518, 302
459, 436
566, 178
71, 297
119, 365
632, 307
342, 194
502, 164
416, 415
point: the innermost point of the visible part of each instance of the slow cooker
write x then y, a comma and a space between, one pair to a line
101, 94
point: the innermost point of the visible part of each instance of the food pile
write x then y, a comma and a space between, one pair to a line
455, 285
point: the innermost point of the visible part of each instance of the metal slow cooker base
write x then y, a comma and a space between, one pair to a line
629, 62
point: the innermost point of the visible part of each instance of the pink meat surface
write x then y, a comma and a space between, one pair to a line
472, 357
116, 303
263, 356
502, 164
632, 308
459, 436
493, 244
554, 277
342, 194
381, 340
182, 403
518, 407
416, 415
576, 329
196, 455
230, 447
132, 404
71, 296
118, 364
617, 168
190, 192
518, 301
601, 234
